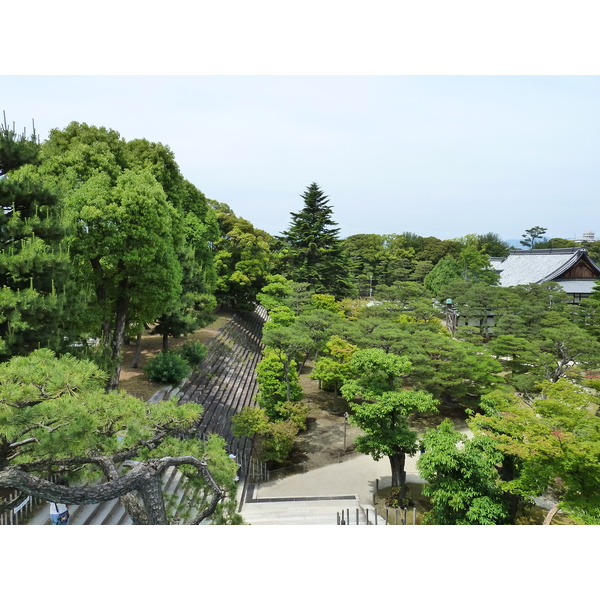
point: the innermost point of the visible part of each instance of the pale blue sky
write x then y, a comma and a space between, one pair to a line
436, 155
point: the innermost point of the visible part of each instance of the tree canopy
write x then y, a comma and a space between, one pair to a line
312, 250
56, 418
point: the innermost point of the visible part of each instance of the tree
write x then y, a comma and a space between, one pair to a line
125, 204
462, 479
492, 244
530, 235
285, 344
273, 438
312, 250
386, 428
56, 418
383, 414
555, 442
445, 271
333, 368
34, 261
126, 248
243, 259
194, 307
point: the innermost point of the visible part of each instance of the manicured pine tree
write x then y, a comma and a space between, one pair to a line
312, 249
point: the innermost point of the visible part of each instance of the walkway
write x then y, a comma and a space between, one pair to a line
316, 497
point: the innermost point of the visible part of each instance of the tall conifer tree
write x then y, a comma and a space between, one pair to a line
313, 251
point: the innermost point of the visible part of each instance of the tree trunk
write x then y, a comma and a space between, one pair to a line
397, 462
137, 355
152, 497
117, 340
507, 472
145, 478
286, 371
165, 342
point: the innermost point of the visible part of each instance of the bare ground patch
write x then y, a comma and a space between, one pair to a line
134, 382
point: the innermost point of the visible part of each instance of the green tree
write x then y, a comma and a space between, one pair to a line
34, 262
285, 344
126, 235
462, 479
383, 414
56, 418
386, 428
273, 439
554, 440
312, 250
194, 308
531, 235
333, 368
243, 259
492, 244
446, 271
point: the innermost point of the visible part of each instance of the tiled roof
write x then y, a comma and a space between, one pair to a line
577, 286
521, 267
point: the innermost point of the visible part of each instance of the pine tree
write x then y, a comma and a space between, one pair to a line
312, 249
33, 260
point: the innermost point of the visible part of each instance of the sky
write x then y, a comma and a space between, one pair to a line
435, 155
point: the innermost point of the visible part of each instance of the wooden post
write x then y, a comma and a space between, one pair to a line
357, 516
347, 516
345, 426
387, 521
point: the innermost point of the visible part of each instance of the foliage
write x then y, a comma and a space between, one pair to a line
445, 271
275, 438
462, 480
531, 235
274, 293
374, 372
193, 352
56, 417
332, 370
34, 262
284, 345
312, 252
167, 367
273, 387
243, 259
555, 440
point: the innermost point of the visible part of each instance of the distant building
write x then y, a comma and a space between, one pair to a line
588, 236
572, 268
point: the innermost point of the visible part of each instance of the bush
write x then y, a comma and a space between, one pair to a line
277, 442
167, 367
193, 352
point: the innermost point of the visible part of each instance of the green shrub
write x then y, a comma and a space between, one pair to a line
167, 367
193, 352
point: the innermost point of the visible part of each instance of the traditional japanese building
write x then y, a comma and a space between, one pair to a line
572, 268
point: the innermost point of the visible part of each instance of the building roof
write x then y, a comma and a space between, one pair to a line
521, 267
577, 286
